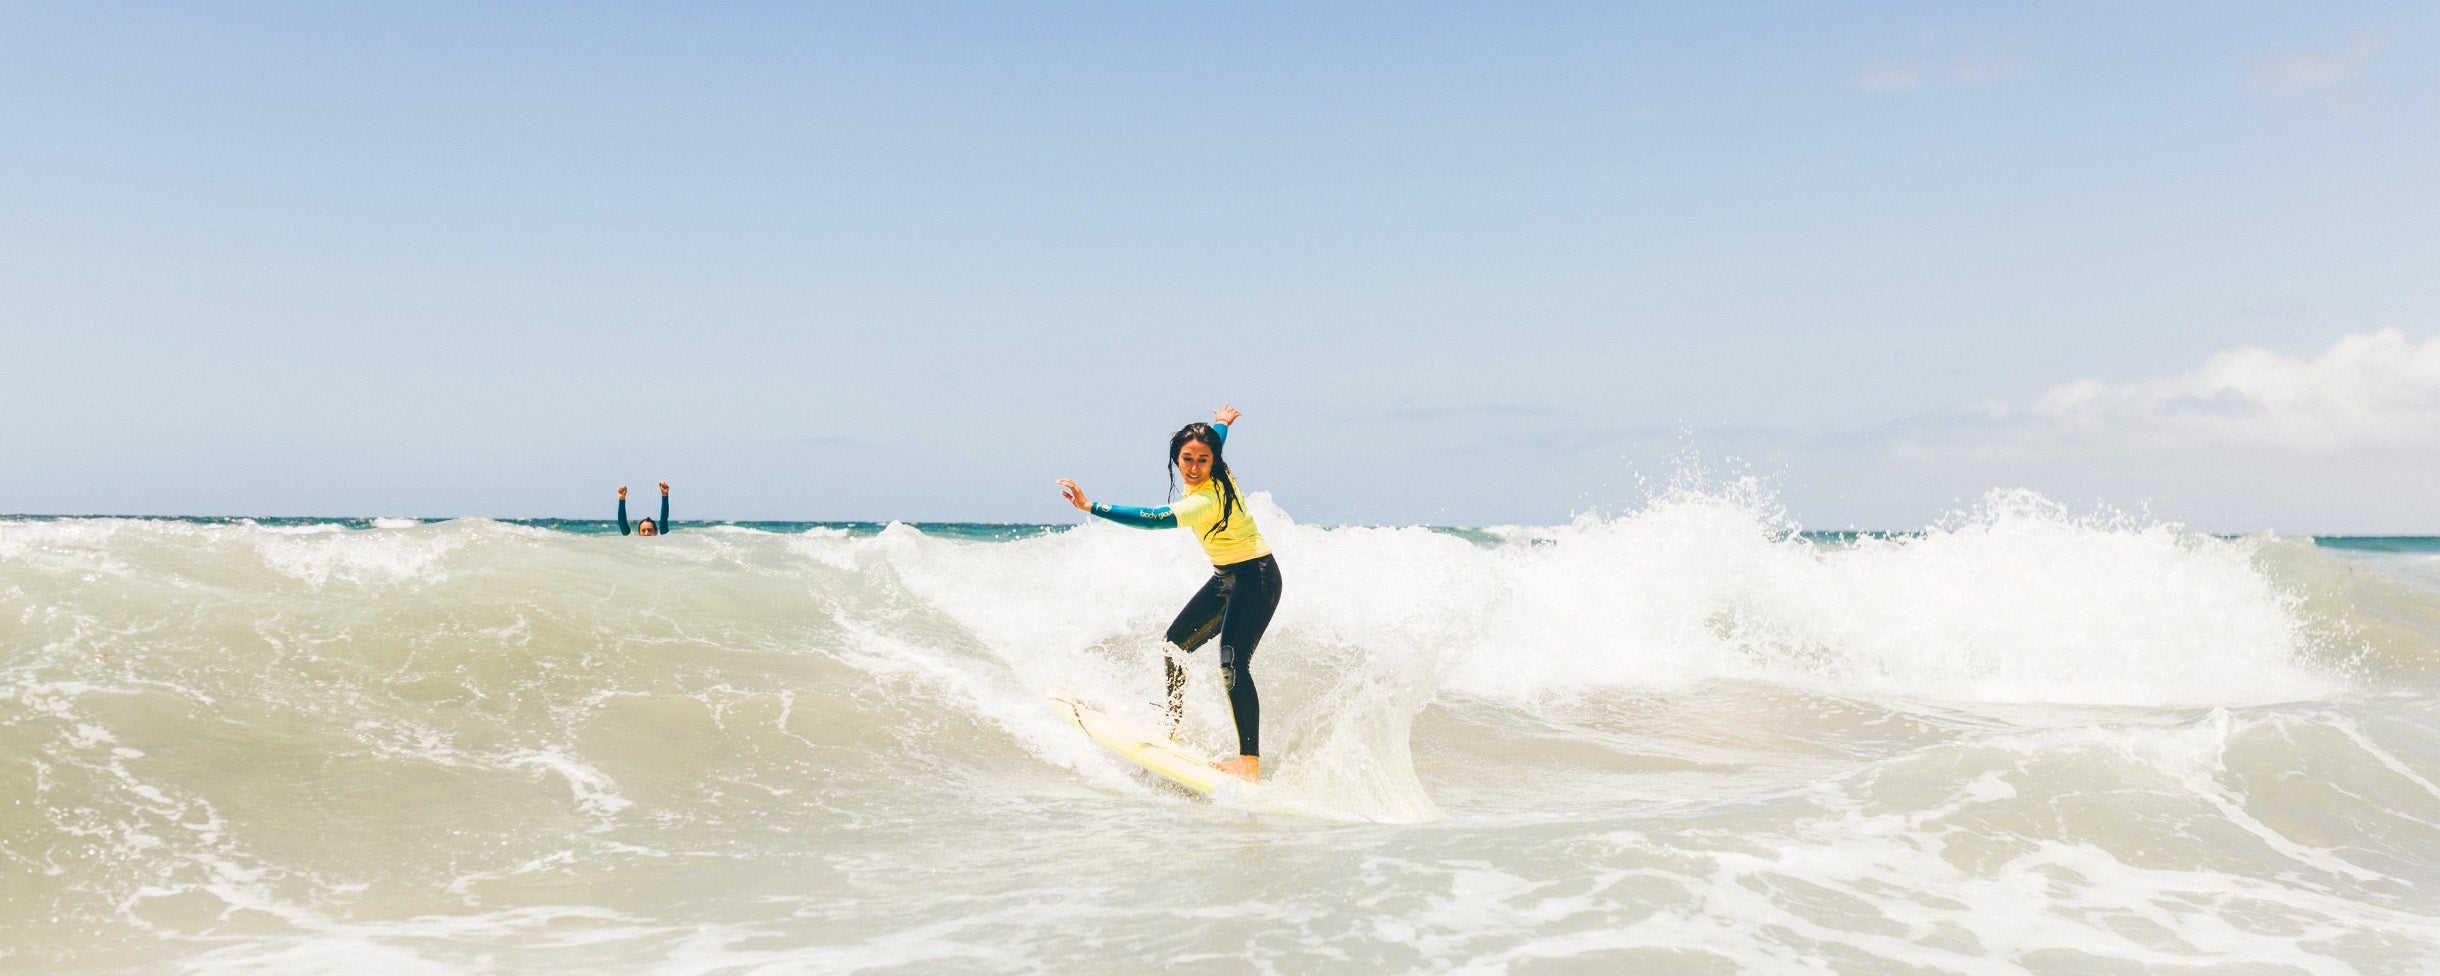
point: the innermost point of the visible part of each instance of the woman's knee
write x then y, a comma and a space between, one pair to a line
1180, 636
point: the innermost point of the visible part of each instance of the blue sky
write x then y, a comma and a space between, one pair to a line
1459, 263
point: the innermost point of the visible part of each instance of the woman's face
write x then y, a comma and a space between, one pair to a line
647, 528
1194, 463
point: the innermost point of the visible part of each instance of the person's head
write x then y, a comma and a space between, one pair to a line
1193, 451
646, 527
1194, 455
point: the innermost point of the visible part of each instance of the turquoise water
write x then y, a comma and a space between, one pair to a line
1002, 531
985, 531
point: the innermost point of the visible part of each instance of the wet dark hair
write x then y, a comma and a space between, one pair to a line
1199, 431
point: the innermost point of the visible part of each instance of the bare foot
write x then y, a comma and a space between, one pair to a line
1247, 768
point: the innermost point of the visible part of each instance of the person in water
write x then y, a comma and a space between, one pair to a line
647, 526
1237, 602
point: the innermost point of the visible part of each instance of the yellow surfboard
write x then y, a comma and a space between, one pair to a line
1146, 747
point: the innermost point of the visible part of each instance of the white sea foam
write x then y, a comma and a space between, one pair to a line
1676, 737
2017, 602
376, 558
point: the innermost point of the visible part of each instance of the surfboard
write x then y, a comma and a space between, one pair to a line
1145, 747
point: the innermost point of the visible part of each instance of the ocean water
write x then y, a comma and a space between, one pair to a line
1678, 739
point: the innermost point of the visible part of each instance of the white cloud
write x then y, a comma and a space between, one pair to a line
2345, 440
2365, 390
2313, 71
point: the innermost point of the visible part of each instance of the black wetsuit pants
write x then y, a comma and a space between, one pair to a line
1235, 605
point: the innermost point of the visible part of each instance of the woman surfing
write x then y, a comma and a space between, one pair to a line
1236, 603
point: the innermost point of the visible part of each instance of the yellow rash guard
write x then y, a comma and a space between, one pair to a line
1200, 510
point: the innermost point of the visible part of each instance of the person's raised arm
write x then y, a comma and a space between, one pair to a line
1142, 518
1221, 418
622, 509
663, 525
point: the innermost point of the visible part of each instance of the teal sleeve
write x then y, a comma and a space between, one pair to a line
1222, 430
663, 525
622, 515
1142, 518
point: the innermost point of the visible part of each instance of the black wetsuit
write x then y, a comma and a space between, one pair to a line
660, 527
1236, 605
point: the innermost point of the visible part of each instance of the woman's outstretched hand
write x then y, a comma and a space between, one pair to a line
664, 489
1226, 415
622, 493
1074, 495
